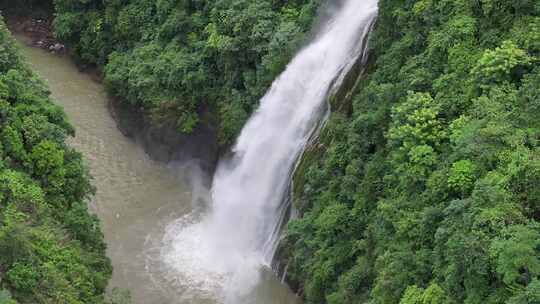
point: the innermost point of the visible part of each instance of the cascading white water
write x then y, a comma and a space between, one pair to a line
223, 251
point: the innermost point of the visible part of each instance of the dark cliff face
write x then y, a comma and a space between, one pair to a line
162, 140
34, 8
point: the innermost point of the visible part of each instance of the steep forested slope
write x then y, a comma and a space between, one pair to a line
179, 58
51, 249
428, 191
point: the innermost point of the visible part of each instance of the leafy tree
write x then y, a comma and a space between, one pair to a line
516, 254
5, 297
51, 248
183, 60
461, 177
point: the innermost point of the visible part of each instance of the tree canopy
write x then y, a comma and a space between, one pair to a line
428, 191
51, 248
182, 59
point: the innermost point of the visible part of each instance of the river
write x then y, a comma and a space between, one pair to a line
136, 198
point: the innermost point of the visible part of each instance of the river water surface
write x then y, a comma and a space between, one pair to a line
136, 197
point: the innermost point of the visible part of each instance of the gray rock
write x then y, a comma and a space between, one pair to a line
57, 47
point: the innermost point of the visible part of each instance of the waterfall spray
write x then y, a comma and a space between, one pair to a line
223, 251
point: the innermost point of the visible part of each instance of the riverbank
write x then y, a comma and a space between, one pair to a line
137, 198
51, 248
135, 195
162, 141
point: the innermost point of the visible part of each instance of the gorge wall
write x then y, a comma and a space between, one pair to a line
422, 187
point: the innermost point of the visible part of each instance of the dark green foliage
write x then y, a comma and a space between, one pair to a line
34, 8
428, 192
51, 248
177, 58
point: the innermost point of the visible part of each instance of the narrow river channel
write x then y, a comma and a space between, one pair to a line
136, 197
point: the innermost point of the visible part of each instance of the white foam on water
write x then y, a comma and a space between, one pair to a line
220, 253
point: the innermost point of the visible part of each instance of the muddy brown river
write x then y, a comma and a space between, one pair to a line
136, 197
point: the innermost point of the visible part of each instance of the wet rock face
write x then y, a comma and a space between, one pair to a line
163, 142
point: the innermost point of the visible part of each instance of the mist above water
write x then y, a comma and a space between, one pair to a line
221, 252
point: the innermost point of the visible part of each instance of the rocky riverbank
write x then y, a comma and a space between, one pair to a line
38, 30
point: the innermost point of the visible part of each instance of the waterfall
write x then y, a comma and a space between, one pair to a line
225, 248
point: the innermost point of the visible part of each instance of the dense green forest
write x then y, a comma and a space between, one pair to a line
427, 190
51, 248
424, 190
183, 59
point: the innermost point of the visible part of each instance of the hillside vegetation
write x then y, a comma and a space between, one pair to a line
428, 191
425, 190
51, 248
180, 59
